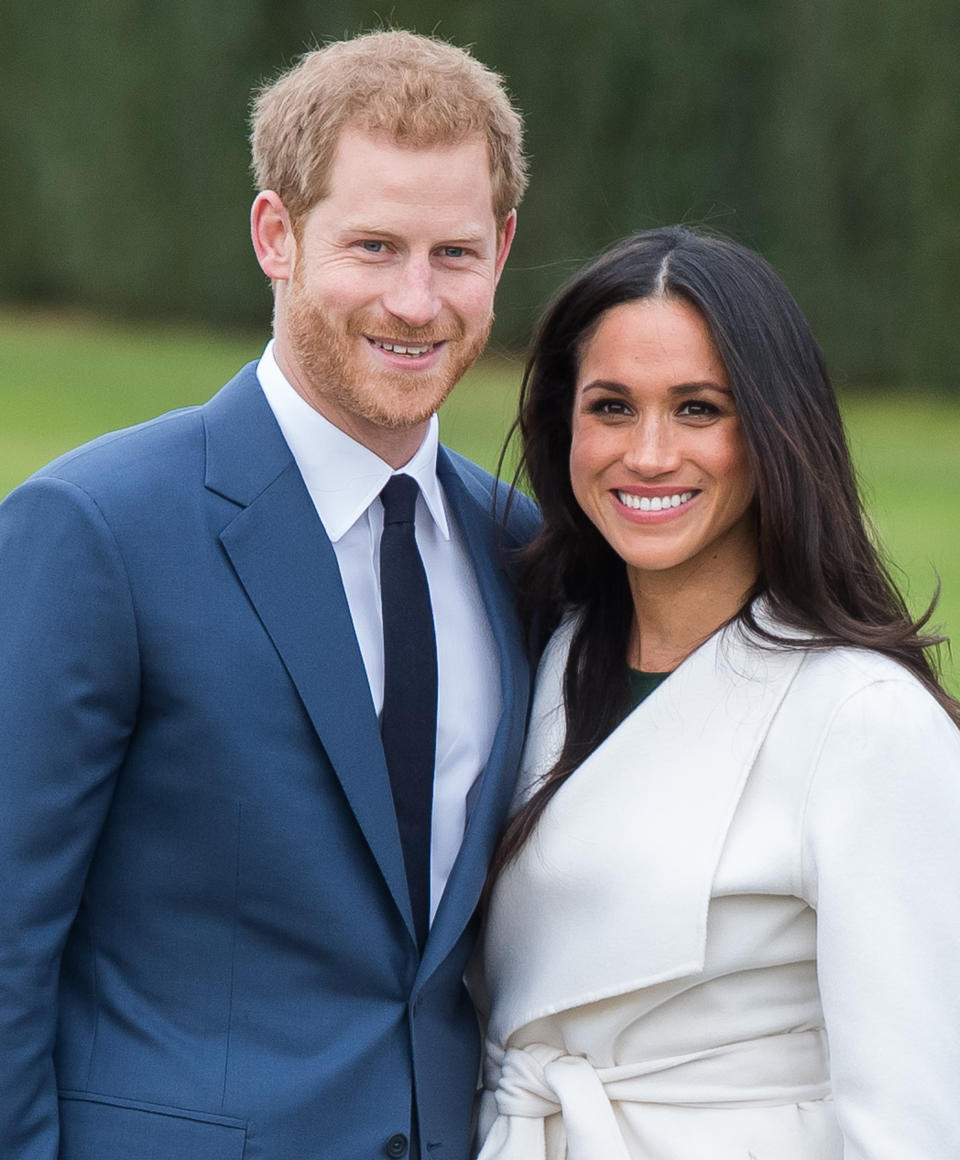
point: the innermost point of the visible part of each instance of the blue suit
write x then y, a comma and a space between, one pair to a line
206, 945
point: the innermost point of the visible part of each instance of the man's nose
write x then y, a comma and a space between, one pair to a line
412, 297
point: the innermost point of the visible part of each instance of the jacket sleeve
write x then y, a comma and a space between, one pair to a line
882, 865
69, 679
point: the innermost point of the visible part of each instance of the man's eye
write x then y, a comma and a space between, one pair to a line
372, 247
453, 251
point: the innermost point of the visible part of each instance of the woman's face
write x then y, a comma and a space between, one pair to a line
658, 461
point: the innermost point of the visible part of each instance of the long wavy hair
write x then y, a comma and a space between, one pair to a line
819, 569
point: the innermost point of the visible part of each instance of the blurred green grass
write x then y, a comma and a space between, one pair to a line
65, 379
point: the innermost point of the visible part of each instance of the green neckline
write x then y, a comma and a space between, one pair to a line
642, 684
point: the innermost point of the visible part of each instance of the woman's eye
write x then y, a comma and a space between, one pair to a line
610, 407
698, 409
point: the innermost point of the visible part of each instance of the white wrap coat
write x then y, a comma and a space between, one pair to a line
735, 933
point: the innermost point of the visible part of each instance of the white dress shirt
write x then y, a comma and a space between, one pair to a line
344, 480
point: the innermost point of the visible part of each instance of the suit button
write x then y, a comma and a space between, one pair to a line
396, 1146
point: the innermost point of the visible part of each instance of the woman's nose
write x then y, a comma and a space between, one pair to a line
653, 449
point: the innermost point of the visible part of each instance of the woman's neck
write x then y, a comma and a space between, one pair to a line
674, 614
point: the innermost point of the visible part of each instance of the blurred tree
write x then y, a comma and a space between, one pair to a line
823, 132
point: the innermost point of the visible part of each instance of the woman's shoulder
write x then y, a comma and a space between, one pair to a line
839, 699
857, 718
845, 672
839, 670
884, 765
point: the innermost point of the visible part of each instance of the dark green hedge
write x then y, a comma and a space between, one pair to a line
823, 132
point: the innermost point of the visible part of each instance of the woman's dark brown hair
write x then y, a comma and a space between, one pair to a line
819, 571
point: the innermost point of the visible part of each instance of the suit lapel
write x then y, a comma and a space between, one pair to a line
289, 571
491, 796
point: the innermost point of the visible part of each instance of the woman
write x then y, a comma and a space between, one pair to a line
725, 917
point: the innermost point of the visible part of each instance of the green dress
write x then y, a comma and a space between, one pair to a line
642, 684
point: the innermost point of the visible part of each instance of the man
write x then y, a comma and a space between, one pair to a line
217, 884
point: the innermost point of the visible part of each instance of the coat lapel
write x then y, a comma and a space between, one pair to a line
491, 797
599, 915
288, 568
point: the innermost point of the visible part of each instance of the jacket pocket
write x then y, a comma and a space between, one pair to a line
98, 1127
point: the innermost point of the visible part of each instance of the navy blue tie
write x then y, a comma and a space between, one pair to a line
408, 723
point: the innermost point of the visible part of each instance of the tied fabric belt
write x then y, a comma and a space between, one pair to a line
531, 1083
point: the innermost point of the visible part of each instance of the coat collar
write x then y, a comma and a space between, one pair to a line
597, 915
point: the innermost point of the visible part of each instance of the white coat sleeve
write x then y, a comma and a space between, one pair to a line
882, 868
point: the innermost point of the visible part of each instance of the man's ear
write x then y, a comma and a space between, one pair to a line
272, 234
505, 240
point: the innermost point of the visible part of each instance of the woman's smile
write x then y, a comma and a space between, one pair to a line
653, 502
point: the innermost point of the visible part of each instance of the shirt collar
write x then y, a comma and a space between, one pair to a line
342, 476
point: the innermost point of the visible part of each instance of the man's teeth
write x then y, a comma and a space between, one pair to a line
396, 348
656, 503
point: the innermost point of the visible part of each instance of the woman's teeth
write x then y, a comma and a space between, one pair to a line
656, 503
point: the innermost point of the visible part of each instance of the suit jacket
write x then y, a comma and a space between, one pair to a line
206, 945
734, 931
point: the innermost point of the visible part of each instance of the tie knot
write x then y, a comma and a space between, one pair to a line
399, 498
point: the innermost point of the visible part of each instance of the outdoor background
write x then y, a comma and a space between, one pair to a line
825, 133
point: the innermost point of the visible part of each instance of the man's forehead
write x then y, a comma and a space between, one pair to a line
371, 170
355, 136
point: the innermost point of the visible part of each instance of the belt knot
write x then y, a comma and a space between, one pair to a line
538, 1081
